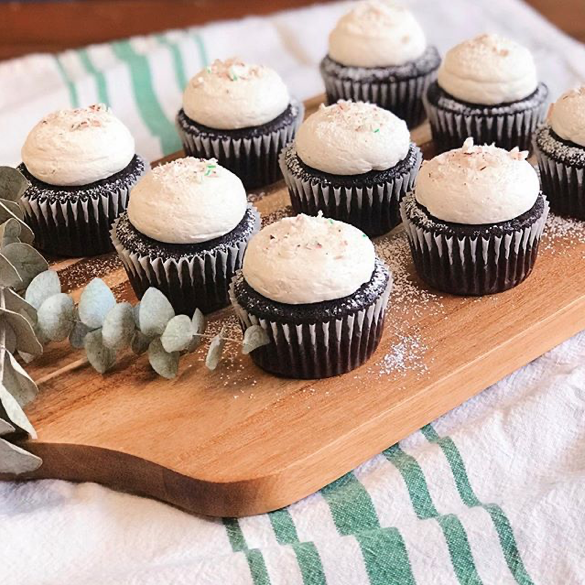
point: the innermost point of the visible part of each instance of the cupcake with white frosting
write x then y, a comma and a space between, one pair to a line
185, 232
475, 219
317, 288
81, 165
378, 53
354, 162
241, 114
559, 145
487, 88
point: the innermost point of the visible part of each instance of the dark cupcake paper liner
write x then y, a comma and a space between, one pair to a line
311, 348
76, 221
250, 153
399, 89
477, 260
562, 172
194, 280
371, 202
507, 126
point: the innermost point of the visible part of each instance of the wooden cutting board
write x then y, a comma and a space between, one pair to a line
238, 441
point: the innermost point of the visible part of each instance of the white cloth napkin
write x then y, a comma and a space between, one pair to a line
493, 492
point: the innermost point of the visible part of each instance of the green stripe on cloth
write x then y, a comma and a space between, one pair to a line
385, 557
146, 99
310, 563
73, 96
100, 79
202, 51
424, 508
178, 64
283, 526
501, 523
351, 506
254, 557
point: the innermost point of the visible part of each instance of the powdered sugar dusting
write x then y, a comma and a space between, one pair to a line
562, 234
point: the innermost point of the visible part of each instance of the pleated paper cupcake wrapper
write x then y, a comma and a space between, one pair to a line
75, 227
402, 97
450, 130
375, 210
317, 350
563, 184
254, 160
200, 281
474, 266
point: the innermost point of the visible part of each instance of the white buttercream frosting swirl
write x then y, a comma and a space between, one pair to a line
351, 138
477, 185
488, 70
78, 147
231, 94
304, 259
567, 116
187, 201
376, 33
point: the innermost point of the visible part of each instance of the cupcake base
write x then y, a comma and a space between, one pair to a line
316, 340
473, 259
505, 125
76, 221
397, 88
250, 153
191, 276
562, 172
370, 201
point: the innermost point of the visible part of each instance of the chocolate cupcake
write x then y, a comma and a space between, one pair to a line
475, 220
378, 53
354, 162
317, 289
243, 116
486, 89
81, 165
560, 150
185, 232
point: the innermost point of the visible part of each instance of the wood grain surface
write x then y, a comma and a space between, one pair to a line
56, 26
238, 441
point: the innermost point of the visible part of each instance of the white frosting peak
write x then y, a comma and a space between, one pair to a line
351, 138
376, 33
305, 259
567, 116
187, 201
78, 147
477, 185
488, 70
231, 94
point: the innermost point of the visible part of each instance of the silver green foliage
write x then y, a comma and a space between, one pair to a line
254, 337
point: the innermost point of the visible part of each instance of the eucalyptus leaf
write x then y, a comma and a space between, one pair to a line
95, 303
27, 261
14, 302
5, 428
215, 350
9, 276
6, 214
56, 317
101, 358
12, 183
43, 285
26, 339
178, 334
9, 337
118, 329
15, 229
254, 337
15, 413
140, 343
27, 358
14, 208
199, 321
17, 381
164, 363
77, 335
154, 313
14, 460
136, 312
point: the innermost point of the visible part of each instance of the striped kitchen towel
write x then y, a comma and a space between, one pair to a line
493, 492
